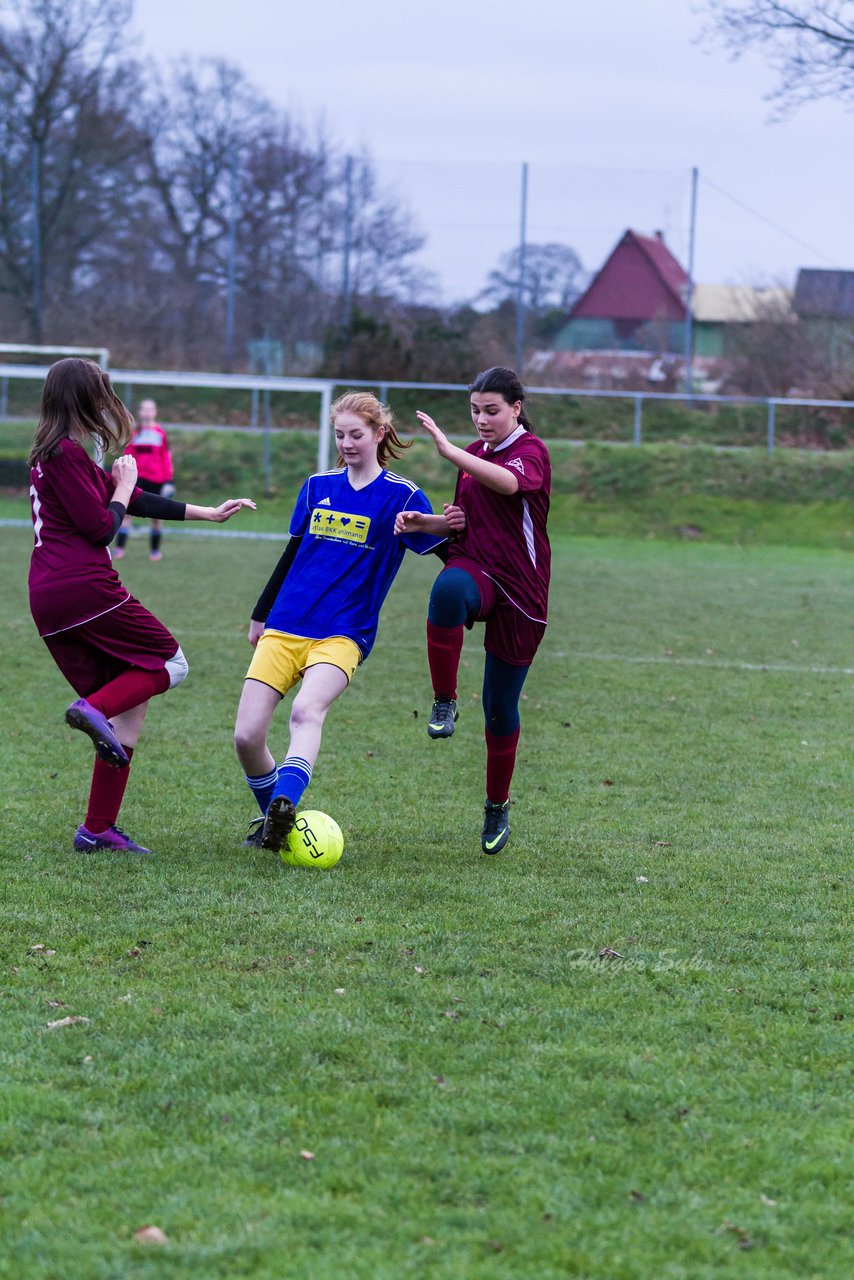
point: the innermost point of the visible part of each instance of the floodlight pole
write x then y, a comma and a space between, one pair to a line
35, 197
231, 267
520, 289
689, 288
346, 285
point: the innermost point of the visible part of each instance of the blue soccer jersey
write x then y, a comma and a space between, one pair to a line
348, 556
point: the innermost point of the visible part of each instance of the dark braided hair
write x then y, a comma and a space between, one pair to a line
508, 386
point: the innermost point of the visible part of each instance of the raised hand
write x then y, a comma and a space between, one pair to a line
125, 470
441, 441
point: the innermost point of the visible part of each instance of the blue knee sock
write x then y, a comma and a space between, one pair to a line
293, 778
263, 788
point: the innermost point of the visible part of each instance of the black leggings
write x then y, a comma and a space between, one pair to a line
455, 602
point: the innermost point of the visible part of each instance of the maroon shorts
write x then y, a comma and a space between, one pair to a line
509, 633
95, 652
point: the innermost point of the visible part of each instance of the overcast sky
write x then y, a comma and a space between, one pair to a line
610, 103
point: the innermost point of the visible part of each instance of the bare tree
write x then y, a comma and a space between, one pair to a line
811, 46
64, 136
554, 278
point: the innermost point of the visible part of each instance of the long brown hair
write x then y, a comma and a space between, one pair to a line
78, 398
374, 414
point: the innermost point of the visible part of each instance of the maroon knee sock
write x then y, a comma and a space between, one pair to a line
128, 690
106, 794
444, 646
500, 762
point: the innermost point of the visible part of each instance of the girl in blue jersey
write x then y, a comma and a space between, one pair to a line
317, 617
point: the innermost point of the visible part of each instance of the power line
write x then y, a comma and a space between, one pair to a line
768, 222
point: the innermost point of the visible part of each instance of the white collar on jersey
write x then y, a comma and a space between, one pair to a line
505, 444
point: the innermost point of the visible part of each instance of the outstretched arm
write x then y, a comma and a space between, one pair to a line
219, 514
452, 522
499, 479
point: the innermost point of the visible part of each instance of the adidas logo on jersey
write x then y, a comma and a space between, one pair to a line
324, 502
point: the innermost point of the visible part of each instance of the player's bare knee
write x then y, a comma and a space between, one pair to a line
305, 713
177, 668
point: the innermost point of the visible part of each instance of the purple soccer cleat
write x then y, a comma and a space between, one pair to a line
82, 715
114, 839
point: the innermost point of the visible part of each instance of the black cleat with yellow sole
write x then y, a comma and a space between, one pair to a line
496, 826
442, 718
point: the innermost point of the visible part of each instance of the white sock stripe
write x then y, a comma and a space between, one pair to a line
295, 762
263, 781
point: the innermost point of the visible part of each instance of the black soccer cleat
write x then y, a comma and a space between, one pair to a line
278, 824
255, 834
496, 826
442, 718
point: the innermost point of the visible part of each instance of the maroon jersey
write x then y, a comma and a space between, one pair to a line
72, 579
506, 533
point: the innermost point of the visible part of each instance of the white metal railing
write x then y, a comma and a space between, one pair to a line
262, 386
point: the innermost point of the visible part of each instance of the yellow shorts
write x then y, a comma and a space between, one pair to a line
280, 659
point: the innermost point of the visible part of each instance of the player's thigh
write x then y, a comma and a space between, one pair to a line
322, 683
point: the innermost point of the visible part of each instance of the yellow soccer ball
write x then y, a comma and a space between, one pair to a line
315, 841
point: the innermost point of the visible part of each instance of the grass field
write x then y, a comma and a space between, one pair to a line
485, 1094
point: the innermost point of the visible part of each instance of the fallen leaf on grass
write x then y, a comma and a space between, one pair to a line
453, 1014
56, 1004
340, 991
495, 1246
125, 999
608, 953
440, 1081
426, 1240
67, 1022
767, 1199
133, 953
744, 1240
41, 950
607, 782
150, 1234
307, 1155
662, 844
88, 1058
641, 879
637, 1197
358, 920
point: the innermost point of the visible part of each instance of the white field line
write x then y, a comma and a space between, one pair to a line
182, 533
723, 664
787, 668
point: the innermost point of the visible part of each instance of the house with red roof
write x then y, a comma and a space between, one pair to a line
635, 302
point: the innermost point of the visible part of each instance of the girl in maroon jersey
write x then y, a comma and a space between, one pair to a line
112, 651
497, 571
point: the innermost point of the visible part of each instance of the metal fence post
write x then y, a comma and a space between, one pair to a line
638, 410
772, 408
4, 397
268, 454
324, 428
128, 396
